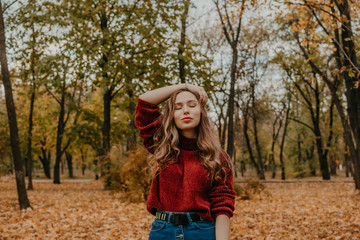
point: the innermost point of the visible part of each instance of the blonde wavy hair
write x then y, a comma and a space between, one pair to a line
166, 143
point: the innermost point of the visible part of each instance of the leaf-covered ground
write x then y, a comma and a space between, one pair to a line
303, 210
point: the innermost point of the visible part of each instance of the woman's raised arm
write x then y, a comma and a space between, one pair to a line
159, 95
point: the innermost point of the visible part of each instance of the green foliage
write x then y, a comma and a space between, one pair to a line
299, 171
250, 190
6, 165
130, 174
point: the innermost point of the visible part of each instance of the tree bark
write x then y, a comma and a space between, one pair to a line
131, 140
32, 100
45, 160
233, 40
346, 165
299, 150
333, 165
225, 128
29, 155
230, 127
183, 41
275, 134
248, 144
10, 106
59, 137
83, 165
69, 163
106, 131
350, 76
309, 157
257, 143
324, 166
283, 140
107, 97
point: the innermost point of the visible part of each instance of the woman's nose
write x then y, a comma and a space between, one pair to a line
186, 109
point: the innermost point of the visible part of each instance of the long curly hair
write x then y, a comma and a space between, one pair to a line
166, 143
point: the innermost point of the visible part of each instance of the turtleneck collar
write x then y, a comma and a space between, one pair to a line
189, 144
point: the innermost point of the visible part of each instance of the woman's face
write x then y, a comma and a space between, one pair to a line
187, 113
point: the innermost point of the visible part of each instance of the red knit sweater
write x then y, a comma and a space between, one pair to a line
183, 186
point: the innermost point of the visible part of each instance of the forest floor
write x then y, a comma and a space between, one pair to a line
83, 210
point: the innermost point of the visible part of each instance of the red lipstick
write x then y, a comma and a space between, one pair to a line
186, 119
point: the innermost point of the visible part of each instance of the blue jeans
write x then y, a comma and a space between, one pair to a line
200, 230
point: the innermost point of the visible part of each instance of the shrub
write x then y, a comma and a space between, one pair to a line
5, 166
250, 189
130, 174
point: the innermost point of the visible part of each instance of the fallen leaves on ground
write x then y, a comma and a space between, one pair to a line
303, 210
300, 210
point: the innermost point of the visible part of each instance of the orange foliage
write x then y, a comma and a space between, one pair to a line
132, 176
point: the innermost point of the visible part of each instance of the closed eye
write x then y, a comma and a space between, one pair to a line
178, 106
192, 104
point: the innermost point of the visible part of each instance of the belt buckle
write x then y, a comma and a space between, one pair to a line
179, 219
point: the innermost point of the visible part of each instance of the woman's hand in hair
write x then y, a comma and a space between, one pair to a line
200, 90
159, 95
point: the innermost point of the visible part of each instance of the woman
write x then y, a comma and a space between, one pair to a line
191, 193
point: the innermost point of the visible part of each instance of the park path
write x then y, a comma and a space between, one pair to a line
64, 180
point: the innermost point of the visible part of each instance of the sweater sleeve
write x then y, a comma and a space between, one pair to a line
222, 194
147, 120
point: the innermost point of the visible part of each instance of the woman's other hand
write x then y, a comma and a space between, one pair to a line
201, 91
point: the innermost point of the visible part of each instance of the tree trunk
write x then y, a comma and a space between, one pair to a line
258, 150
247, 140
299, 149
83, 165
106, 132
225, 128
230, 127
283, 139
272, 160
242, 167
59, 137
107, 122
333, 165
32, 100
131, 140
220, 131
324, 166
234, 164
45, 160
107, 97
233, 39
69, 163
346, 165
350, 76
183, 41
62, 164
275, 134
29, 155
309, 157
347, 162
10, 106
26, 165
257, 143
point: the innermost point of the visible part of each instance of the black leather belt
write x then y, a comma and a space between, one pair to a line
178, 218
